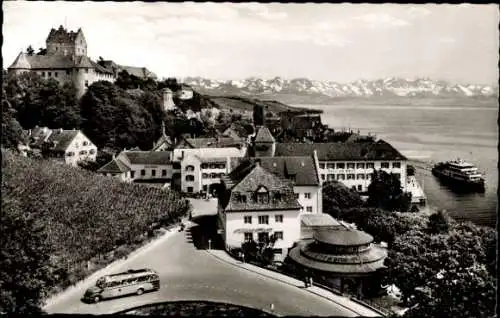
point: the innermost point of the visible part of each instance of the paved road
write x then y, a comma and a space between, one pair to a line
189, 273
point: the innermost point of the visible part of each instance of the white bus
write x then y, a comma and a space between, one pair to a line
125, 283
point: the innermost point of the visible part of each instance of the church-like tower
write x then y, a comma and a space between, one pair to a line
70, 43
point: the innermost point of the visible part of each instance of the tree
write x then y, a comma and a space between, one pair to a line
385, 192
338, 197
30, 51
41, 51
258, 115
443, 274
439, 222
12, 132
26, 271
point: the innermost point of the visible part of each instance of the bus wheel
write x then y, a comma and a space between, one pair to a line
97, 299
140, 291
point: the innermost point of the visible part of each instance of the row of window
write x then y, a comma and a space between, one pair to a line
153, 173
350, 176
359, 165
56, 74
263, 236
213, 166
307, 195
83, 152
212, 175
263, 219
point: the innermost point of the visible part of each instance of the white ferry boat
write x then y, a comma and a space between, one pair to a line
460, 174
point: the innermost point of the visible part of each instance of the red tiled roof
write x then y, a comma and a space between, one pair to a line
379, 150
223, 142
55, 61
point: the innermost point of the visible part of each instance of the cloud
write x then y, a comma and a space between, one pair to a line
381, 20
447, 39
262, 11
417, 12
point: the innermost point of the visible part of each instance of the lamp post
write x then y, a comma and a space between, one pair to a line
209, 244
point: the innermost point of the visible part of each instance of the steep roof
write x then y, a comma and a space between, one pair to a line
302, 169
164, 139
147, 157
264, 135
114, 166
379, 150
61, 139
55, 61
249, 178
21, 62
61, 35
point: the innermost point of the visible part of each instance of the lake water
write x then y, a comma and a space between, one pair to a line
430, 134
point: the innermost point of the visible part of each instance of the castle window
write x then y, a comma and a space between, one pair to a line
55, 74
49, 74
86, 83
43, 73
67, 72
86, 70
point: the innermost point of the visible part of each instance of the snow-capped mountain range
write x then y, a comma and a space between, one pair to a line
388, 87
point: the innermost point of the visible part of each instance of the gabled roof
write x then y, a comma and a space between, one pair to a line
223, 142
164, 139
61, 35
302, 169
55, 61
147, 157
114, 166
21, 62
379, 150
342, 237
264, 135
61, 139
140, 72
249, 178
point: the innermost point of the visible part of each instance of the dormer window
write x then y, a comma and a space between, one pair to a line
262, 195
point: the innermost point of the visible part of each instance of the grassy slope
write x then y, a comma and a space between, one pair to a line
247, 104
87, 216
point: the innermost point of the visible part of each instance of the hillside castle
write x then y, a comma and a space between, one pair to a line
66, 60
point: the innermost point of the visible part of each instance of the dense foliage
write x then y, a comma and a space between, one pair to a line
443, 268
42, 102
337, 198
24, 260
85, 215
12, 132
449, 274
385, 192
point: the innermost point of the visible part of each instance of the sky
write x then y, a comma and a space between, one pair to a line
337, 42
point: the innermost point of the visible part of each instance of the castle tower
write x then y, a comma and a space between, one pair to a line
70, 43
168, 100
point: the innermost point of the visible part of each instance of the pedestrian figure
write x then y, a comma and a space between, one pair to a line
306, 281
243, 257
310, 281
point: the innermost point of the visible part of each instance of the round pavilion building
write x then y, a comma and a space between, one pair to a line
344, 258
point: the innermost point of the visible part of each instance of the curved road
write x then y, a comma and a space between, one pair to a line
188, 273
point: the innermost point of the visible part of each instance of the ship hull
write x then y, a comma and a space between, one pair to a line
459, 185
